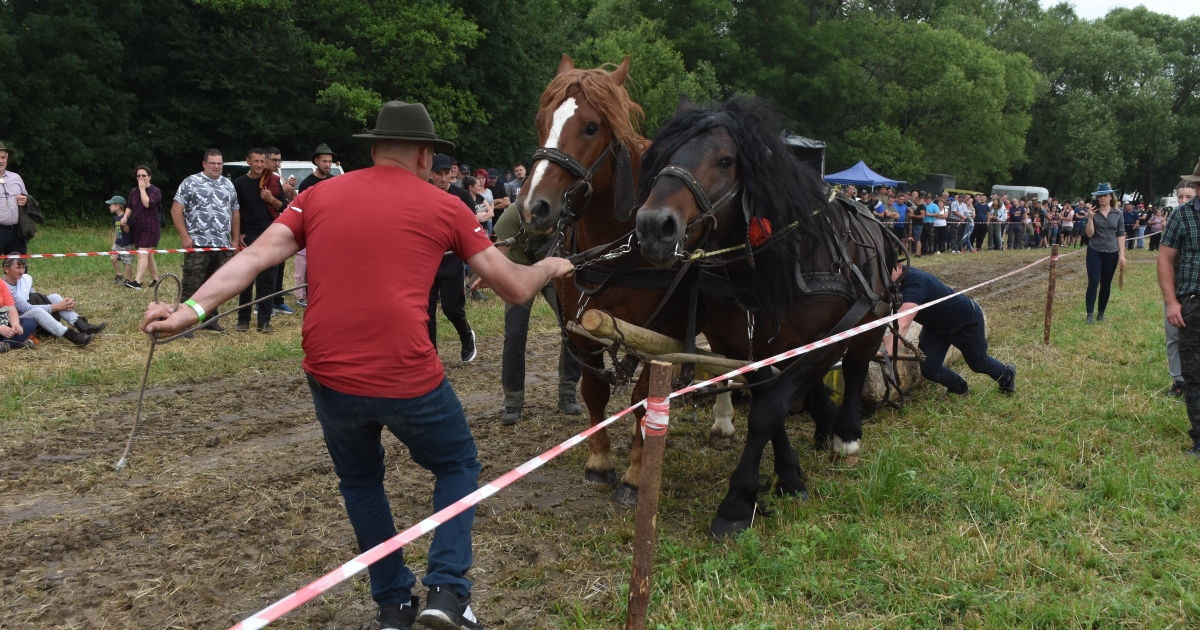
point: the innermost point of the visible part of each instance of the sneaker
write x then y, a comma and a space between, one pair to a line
1176, 390
1195, 450
134, 284
302, 303
283, 309
243, 327
511, 416
154, 283
569, 405
1008, 382
265, 329
965, 390
217, 328
1100, 316
119, 280
468, 348
478, 296
393, 617
446, 611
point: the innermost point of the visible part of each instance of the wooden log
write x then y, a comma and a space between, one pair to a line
649, 488
708, 363
606, 326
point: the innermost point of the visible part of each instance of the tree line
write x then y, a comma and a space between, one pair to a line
991, 91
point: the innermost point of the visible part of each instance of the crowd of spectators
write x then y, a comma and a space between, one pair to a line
960, 222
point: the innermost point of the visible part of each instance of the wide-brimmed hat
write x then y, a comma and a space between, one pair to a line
405, 121
323, 149
1194, 177
5, 149
1104, 189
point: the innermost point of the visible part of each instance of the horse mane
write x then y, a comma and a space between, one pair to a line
776, 186
611, 100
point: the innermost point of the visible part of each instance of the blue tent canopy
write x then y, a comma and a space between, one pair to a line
860, 175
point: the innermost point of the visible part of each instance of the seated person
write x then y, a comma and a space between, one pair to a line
956, 322
20, 285
14, 332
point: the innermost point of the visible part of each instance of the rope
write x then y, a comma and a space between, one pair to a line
146, 374
155, 342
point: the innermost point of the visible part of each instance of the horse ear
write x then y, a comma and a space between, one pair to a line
684, 104
622, 72
565, 65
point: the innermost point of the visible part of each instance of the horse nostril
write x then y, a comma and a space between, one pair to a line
668, 227
541, 209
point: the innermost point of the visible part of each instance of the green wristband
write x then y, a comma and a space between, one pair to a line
199, 309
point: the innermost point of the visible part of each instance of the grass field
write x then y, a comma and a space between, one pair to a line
1070, 504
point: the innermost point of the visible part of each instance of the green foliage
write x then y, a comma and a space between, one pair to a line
657, 76
991, 91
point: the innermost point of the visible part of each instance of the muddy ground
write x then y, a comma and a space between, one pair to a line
230, 500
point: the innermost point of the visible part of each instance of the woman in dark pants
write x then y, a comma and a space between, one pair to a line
1105, 249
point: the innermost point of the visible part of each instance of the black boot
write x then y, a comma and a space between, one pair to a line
77, 338
82, 325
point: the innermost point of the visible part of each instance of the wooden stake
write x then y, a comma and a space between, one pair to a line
647, 508
1121, 280
1050, 293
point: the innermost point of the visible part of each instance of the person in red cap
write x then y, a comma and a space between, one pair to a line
367, 353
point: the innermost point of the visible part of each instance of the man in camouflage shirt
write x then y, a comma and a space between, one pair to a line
1179, 279
203, 212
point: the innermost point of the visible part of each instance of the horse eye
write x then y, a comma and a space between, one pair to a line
726, 162
591, 130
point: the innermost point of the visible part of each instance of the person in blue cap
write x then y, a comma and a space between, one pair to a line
956, 322
1105, 230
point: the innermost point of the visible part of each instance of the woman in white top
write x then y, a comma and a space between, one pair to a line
940, 227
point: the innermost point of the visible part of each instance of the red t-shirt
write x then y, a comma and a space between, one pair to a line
375, 238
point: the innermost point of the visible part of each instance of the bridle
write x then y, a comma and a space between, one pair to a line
708, 208
577, 196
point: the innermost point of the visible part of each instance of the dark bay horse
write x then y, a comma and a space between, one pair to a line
718, 177
581, 189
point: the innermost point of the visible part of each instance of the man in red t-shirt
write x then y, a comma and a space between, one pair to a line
367, 353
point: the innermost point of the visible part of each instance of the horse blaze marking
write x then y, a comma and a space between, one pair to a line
561, 116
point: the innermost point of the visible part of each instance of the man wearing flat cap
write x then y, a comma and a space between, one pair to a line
12, 196
323, 159
1179, 279
367, 353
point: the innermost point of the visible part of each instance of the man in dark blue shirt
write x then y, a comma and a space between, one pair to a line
981, 219
955, 322
1131, 221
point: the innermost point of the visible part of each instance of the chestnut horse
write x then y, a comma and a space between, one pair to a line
581, 189
720, 177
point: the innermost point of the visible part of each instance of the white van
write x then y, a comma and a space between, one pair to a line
297, 169
1020, 192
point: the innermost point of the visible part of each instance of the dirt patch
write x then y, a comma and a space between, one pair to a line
230, 500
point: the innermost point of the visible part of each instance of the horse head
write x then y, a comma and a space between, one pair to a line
694, 187
586, 123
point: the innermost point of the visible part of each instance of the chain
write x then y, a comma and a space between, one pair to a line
613, 255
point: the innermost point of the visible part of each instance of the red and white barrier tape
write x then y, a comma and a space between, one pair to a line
128, 251
656, 419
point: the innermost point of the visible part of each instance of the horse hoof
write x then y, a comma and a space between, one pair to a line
719, 442
626, 495
608, 477
721, 528
847, 451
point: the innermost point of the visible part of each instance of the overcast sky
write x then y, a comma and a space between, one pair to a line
1092, 9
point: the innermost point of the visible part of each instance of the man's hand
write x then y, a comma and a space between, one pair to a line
22, 200
1175, 315
165, 319
186, 242
560, 267
266, 195
240, 243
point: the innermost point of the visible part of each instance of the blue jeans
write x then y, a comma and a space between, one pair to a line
969, 338
28, 325
434, 429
